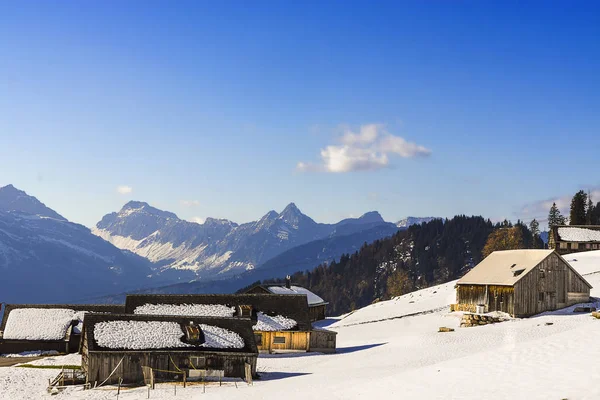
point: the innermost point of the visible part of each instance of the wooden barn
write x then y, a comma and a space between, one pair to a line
521, 283
317, 307
574, 238
121, 346
46, 327
281, 323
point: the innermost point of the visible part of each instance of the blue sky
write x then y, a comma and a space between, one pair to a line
230, 109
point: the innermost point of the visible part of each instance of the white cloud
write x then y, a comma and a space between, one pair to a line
368, 149
123, 189
190, 203
198, 220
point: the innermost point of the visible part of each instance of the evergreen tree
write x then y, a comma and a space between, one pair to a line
534, 227
555, 218
595, 218
578, 209
589, 212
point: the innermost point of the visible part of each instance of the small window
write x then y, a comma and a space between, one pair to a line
595, 247
245, 311
564, 245
258, 338
574, 246
518, 272
198, 362
588, 246
541, 297
279, 340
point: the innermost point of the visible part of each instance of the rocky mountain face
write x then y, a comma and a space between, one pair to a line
45, 258
221, 248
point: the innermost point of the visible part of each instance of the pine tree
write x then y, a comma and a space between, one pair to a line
555, 218
589, 212
578, 205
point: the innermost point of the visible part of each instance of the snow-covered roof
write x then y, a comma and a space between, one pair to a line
504, 267
579, 234
201, 310
152, 335
38, 323
313, 299
273, 323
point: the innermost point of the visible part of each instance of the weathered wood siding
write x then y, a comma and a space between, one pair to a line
100, 364
293, 341
323, 341
317, 313
551, 285
494, 297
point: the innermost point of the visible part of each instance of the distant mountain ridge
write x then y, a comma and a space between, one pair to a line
45, 258
220, 248
13, 199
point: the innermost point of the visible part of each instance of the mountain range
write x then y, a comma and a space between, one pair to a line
46, 258
220, 248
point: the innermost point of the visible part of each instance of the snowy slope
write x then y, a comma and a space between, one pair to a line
392, 350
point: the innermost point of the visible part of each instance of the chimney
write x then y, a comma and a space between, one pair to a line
288, 282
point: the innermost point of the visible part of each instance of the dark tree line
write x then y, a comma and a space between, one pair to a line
421, 256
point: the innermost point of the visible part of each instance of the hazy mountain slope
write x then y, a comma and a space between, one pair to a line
46, 259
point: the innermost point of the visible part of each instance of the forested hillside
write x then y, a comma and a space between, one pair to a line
421, 256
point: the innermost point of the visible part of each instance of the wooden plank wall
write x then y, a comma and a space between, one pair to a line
317, 313
498, 298
323, 341
558, 286
294, 341
100, 364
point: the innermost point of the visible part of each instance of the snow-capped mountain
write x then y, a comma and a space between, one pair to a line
13, 199
218, 247
45, 258
409, 221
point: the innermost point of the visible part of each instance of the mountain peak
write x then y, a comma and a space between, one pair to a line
371, 216
291, 209
13, 199
133, 206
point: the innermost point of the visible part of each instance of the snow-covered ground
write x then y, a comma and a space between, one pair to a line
392, 350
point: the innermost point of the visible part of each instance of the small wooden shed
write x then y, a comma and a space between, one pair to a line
122, 346
521, 283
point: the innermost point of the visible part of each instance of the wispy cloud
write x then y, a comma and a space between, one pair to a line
368, 149
198, 220
190, 203
123, 189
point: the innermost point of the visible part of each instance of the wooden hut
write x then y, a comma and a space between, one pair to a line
567, 239
317, 307
281, 323
521, 283
122, 346
46, 327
